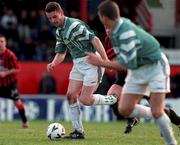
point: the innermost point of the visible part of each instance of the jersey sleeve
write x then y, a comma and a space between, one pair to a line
60, 45
127, 50
13, 61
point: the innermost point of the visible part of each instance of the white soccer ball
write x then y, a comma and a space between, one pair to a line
55, 131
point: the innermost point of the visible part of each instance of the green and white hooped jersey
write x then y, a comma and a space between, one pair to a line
74, 36
134, 47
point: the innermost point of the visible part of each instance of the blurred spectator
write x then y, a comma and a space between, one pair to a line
9, 23
33, 23
43, 52
45, 34
47, 84
28, 49
23, 28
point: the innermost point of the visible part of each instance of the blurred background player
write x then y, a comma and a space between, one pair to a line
8, 80
75, 36
116, 89
140, 53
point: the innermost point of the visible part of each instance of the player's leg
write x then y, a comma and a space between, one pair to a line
92, 77
175, 119
129, 107
14, 95
20, 106
163, 121
131, 122
116, 90
88, 98
159, 83
73, 92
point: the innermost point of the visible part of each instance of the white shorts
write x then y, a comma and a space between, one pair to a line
150, 78
88, 73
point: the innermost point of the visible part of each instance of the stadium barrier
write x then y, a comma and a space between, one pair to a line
54, 107
31, 74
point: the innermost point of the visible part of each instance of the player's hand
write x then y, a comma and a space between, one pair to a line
50, 67
93, 59
3, 74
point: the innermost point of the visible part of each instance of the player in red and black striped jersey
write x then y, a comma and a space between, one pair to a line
9, 68
117, 87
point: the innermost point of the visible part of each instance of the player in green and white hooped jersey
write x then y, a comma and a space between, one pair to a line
75, 36
148, 68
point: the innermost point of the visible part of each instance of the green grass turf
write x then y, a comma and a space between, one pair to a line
110, 133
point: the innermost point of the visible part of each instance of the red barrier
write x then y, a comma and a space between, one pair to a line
175, 70
31, 74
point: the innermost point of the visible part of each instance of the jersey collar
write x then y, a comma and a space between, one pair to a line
118, 24
63, 27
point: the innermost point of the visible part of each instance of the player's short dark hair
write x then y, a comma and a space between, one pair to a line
52, 6
109, 9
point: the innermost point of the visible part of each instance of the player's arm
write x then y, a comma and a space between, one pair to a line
57, 60
8, 72
14, 68
96, 60
60, 50
99, 47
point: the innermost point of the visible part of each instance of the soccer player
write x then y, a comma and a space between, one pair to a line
75, 36
9, 67
116, 89
148, 68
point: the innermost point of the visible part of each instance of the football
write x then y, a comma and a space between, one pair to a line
55, 131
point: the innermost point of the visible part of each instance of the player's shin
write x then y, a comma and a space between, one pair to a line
75, 113
165, 127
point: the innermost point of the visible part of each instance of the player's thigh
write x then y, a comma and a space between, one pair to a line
115, 89
157, 104
127, 103
87, 92
10, 92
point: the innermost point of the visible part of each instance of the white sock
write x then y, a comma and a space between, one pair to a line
104, 99
75, 113
166, 129
141, 111
163, 122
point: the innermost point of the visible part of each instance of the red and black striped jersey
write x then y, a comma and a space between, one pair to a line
108, 48
8, 61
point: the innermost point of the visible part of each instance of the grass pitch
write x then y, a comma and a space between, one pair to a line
110, 133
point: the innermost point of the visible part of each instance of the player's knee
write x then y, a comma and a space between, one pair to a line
71, 97
156, 114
